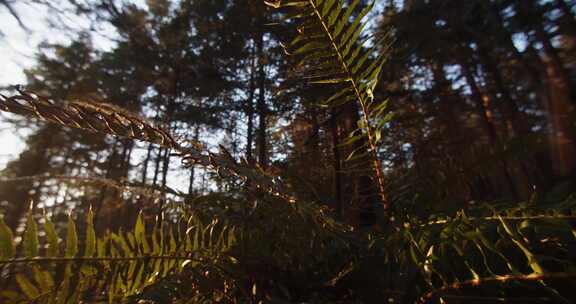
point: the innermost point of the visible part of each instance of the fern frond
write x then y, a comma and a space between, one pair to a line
118, 264
530, 248
331, 50
149, 191
496, 279
108, 119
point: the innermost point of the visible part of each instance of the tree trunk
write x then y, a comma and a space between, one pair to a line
560, 104
561, 115
261, 106
359, 189
509, 108
165, 166
489, 128
193, 168
250, 110
337, 166
482, 107
568, 21
157, 166
146, 162
450, 121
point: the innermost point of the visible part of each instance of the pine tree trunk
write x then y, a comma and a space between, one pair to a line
560, 104
165, 166
146, 162
250, 110
482, 107
157, 166
509, 108
449, 117
359, 189
483, 112
261, 105
193, 168
337, 166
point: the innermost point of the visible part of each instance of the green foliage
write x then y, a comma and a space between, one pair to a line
518, 250
6, 241
330, 48
290, 253
117, 264
273, 247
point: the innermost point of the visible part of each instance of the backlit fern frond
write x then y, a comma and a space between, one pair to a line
114, 266
108, 119
331, 49
149, 191
500, 256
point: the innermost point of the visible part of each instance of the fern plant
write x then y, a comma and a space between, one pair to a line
281, 249
331, 49
113, 266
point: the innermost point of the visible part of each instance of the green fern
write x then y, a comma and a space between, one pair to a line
498, 256
116, 264
277, 251
331, 50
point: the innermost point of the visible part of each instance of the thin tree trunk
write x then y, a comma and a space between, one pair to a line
337, 167
489, 128
261, 105
561, 115
250, 110
121, 167
359, 189
193, 168
481, 107
449, 116
165, 166
146, 162
157, 166
105, 190
514, 125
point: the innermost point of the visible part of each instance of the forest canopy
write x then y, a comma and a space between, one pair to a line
293, 151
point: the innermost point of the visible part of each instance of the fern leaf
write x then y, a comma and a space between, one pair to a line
331, 51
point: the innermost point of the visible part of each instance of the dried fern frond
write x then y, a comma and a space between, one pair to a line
100, 118
149, 191
108, 119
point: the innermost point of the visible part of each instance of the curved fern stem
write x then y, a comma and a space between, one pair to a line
94, 259
496, 279
508, 218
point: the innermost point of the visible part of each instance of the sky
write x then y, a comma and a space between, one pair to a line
17, 49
